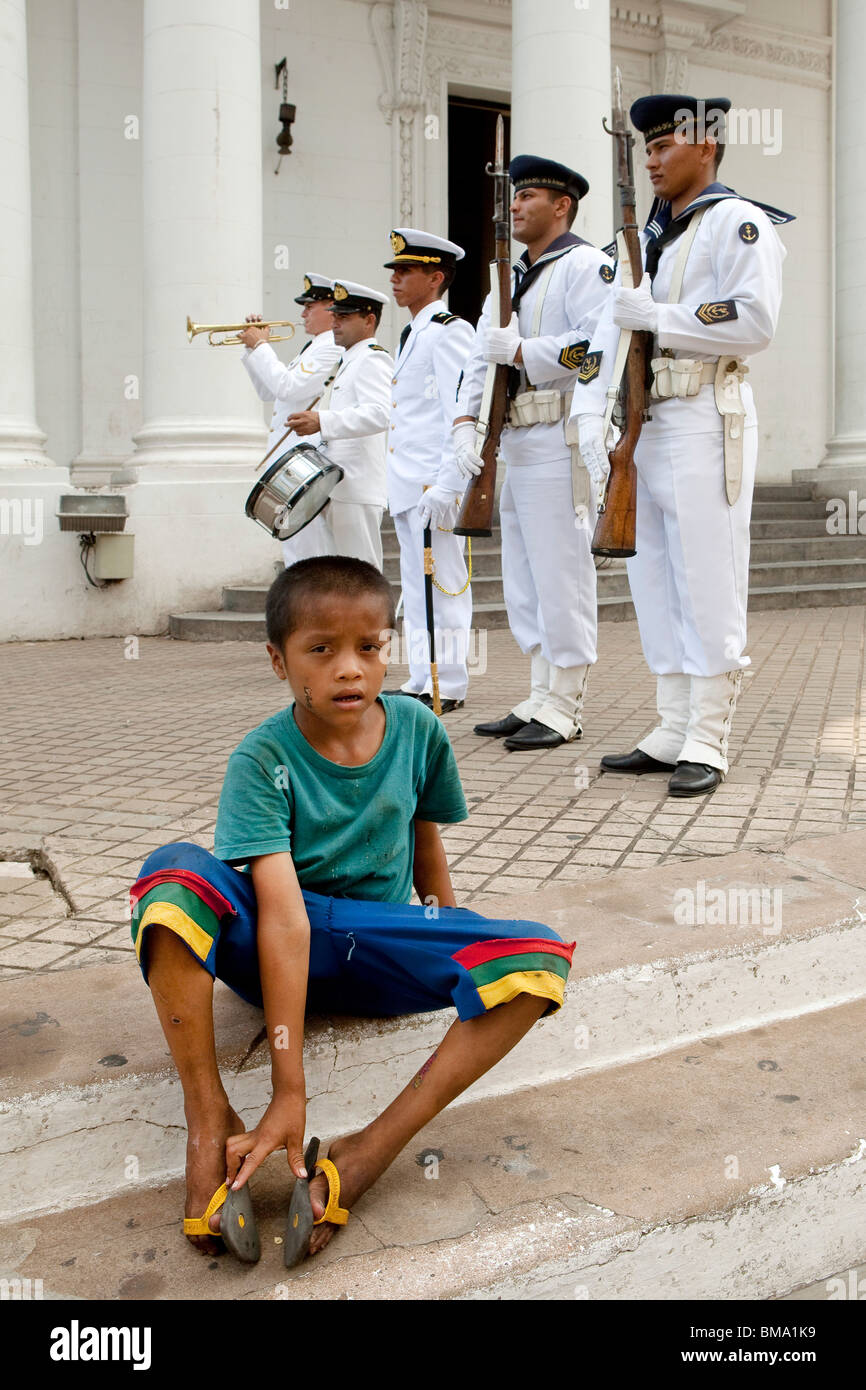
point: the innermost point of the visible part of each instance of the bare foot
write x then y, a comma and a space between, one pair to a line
359, 1166
206, 1169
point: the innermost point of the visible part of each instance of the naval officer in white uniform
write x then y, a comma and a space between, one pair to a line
296, 386
352, 423
561, 284
711, 295
424, 482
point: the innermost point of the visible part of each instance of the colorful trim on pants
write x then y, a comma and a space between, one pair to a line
367, 958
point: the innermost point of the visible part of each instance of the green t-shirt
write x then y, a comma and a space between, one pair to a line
349, 830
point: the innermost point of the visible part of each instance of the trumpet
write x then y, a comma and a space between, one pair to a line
235, 329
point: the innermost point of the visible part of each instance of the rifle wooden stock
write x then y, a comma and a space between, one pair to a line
614, 533
476, 511
615, 529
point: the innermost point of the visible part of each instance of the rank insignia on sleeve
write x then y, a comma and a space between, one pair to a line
717, 313
572, 356
606, 272
747, 232
589, 367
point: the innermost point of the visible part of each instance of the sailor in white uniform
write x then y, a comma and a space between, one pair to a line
424, 482
561, 284
296, 386
711, 295
352, 423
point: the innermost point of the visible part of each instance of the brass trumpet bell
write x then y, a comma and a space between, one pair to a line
235, 330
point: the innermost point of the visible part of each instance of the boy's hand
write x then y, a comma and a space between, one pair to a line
281, 1127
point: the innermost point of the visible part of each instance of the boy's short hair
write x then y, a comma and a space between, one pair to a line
321, 576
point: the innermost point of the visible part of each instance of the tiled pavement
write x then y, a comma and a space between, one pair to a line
104, 757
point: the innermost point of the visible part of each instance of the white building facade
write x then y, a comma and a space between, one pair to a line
141, 185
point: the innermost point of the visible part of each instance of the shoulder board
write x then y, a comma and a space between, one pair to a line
444, 318
377, 347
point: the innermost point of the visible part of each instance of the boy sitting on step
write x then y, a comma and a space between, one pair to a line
332, 808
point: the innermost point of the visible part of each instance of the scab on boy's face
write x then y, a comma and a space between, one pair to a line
335, 662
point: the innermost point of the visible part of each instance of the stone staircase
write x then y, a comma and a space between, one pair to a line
689, 1126
795, 563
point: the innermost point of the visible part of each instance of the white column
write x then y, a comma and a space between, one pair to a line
560, 91
202, 211
21, 440
846, 451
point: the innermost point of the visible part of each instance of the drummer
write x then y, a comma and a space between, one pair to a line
296, 386
352, 423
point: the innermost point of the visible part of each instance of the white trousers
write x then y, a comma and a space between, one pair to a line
452, 612
696, 714
341, 528
548, 577
690, 577
548, 572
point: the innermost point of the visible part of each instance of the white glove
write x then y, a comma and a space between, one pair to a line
438, 507
500, 344
464, 442
636, 309
590, 433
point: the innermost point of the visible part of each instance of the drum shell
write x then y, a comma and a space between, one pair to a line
292, 491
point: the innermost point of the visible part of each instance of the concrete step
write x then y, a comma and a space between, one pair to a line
813, 596
806, 573
86, 1079
730, 1168
217, 627
808, 548
796, 511
779, 492
785, 527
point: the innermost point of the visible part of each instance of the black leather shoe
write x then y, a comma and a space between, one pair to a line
447, 705
634, 762
694, 779
534, 735
501, 728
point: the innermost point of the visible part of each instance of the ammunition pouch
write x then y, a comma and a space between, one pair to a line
539, 408
679, 376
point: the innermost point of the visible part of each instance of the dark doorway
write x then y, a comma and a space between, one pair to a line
471, 145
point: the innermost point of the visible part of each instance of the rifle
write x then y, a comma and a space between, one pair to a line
615, 529
476, 513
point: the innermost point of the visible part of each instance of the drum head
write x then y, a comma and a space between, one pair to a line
307, 505
292, 491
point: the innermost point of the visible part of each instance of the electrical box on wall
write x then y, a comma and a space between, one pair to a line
113, 556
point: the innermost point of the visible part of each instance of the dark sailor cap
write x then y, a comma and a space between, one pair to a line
666, 113
317, 288
411, 247
351, 298
531, 171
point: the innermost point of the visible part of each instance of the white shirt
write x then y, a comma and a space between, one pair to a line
294, 387
423, 406
727, 265
355, 421
575, 296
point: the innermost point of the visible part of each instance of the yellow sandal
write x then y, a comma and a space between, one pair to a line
238, 1229
334, 1213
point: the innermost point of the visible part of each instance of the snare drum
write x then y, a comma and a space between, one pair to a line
293, 491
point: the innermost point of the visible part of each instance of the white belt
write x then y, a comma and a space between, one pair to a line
539, 407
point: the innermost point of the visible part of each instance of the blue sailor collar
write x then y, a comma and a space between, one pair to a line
557, 247
660, 212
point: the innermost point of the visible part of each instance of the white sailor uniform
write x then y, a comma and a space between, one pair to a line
547, 568
353, 429
294, 387
689, 578
423, 392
